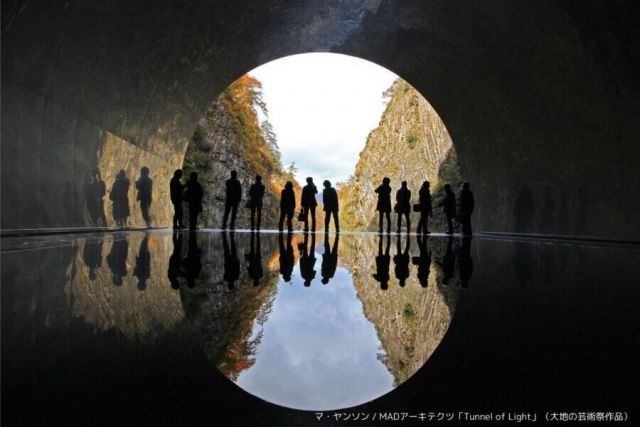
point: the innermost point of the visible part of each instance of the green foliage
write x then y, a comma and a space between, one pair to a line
409, 312
412, 140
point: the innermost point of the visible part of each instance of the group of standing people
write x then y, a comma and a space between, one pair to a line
192, 194
424, 206
461, 212
308, 204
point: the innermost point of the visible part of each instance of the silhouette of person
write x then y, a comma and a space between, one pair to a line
466, 208
120, 197
254, 260
383, 262
142, 270
329, 259
233, 195
309, 203
92, 256
175, 261
403, 205
193, 197
447, 265
423, 261
231, 261
95, 190
330, 202
144, 185
465, 262
426, 210
117, 260
256, 194
448, 204
308, 259
401, 261
287, 206
192, 263
176, 189
384, 203
286, 257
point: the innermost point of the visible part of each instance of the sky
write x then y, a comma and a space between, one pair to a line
318, 350
322, 107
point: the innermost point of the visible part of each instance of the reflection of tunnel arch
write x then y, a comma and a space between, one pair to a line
530, 93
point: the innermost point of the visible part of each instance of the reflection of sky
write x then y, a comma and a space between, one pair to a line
318, 351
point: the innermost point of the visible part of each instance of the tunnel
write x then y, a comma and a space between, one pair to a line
537, 312
539, 98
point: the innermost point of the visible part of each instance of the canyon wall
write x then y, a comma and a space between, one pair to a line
410, 144
230, 137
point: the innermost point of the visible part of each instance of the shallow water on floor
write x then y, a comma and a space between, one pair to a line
307, 321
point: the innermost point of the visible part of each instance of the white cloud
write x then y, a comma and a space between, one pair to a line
322, 107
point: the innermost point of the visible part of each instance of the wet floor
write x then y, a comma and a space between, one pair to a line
315, 322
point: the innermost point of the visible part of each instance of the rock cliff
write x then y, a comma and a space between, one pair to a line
410, 144
231, 137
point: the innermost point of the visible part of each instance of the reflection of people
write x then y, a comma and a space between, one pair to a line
286, 257
233, 195
401, 261
254, 260
231, 261
287, 205
176, 189
175, 261
449, 207
120, 197
403, 205
117, 260
465, 208
256, 194
92, 256
465, 262
329, 259
192, 263
95, 190
142, 270
383, 261
308, 259
384, 203
448, 263
144, 185
309, 203
426, 210
423, 261
330, 206
193, 197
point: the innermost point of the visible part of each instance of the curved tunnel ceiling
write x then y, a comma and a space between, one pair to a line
540, 109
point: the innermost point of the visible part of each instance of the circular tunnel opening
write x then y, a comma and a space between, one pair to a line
327, 116
296, 341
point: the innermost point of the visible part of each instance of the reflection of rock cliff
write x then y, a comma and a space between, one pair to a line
230, 137
224, 318
411, 143
411, 320
105, 287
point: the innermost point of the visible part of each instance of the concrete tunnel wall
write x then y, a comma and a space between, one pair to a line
540, 98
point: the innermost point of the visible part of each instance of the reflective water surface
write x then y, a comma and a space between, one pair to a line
126, 326
307, 321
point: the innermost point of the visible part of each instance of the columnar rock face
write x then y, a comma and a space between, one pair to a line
411, 321
540, 98
410, 144
228, 138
